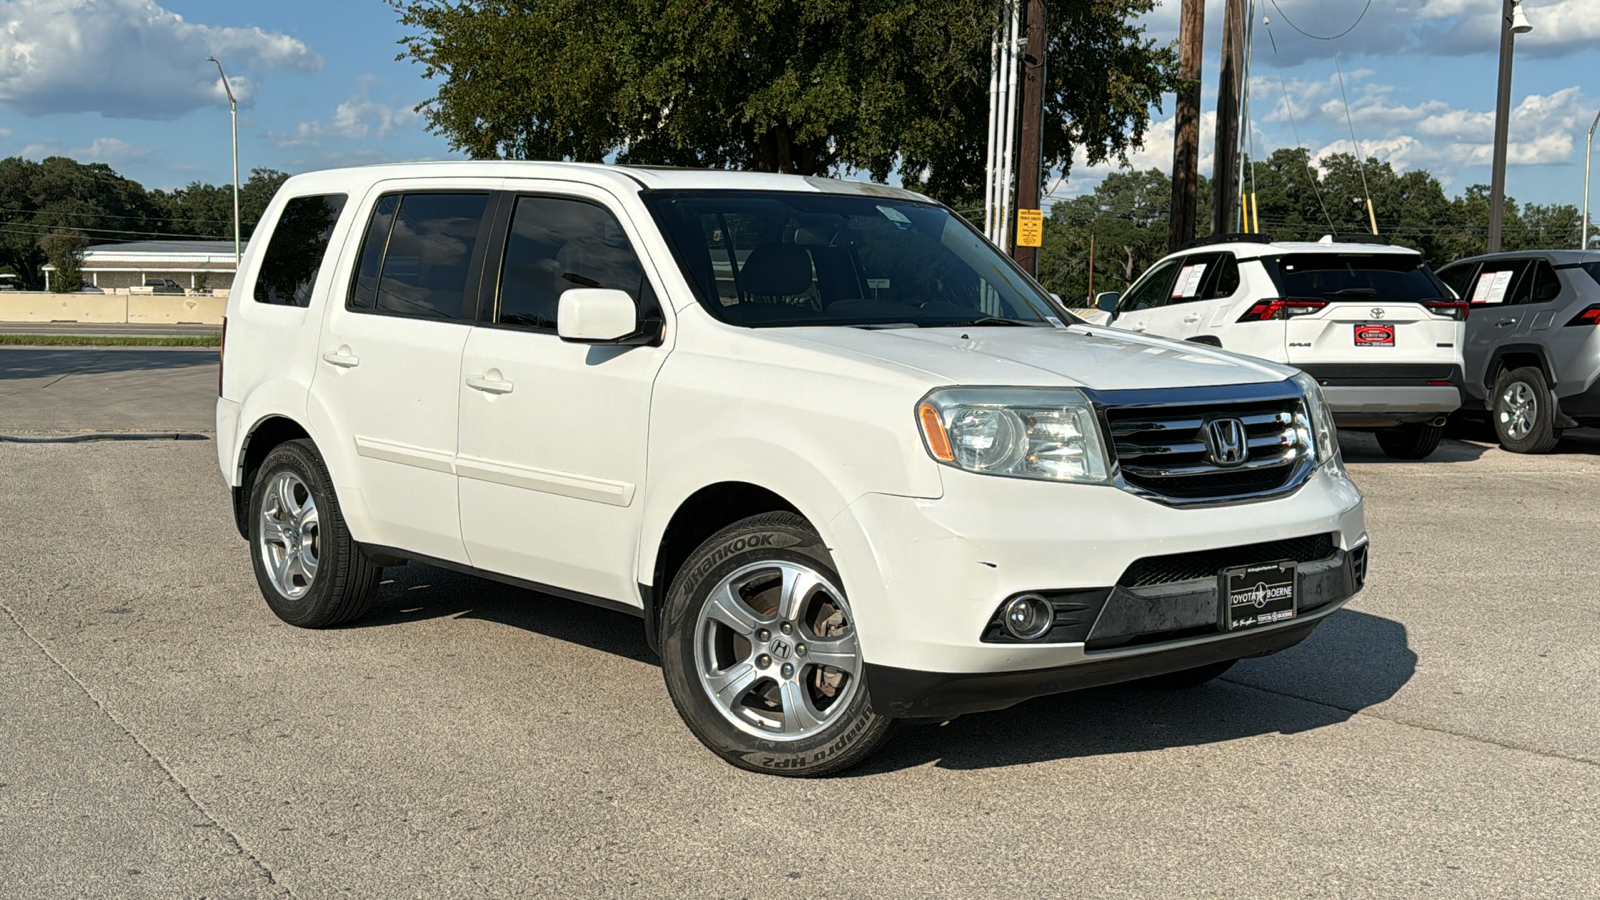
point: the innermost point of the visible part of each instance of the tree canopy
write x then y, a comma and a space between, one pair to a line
807, 87
48, 207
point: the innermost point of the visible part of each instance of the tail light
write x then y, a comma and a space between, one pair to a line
1590, 316
1449, 309
1267, 310
222, 348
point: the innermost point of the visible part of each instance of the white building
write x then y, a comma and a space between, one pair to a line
194, 265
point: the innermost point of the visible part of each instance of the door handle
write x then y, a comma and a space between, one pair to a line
489, 385
341, 358
1504, 322
1190, 320
1139, 326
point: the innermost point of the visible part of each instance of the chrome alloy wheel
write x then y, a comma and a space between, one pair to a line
289, 535
776, 650
1518, 409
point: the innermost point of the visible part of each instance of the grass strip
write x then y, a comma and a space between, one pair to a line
90, 340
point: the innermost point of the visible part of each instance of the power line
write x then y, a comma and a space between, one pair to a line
1278, 64
1318, 37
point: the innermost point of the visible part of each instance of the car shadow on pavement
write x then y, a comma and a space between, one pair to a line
1353, 661
1362, 447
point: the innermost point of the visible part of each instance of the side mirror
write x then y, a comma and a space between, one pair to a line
602, 316
1107, 301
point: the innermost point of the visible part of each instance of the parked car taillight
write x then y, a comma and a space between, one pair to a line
1266, 310
1449, 309
1590, 316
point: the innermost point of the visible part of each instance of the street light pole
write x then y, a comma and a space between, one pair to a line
1583, 243
1512, 22
233, 110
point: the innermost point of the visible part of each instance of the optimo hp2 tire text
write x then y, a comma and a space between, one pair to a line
760, 655
311, 572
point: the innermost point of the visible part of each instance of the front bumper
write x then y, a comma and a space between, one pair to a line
1380, 394
1128, 614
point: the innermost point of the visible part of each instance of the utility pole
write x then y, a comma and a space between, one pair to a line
1225, 159
1186, 125
1030, 149
1512, 22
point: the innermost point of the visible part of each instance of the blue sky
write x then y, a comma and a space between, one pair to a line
125, 82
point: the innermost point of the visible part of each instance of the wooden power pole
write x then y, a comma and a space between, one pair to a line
1224, 193
1186, 125
1030, 143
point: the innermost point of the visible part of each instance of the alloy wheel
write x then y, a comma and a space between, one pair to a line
776, 651
290, 536
1518, 410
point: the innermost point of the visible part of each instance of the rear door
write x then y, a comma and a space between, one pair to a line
1496, 314
1136, 309
1372, 310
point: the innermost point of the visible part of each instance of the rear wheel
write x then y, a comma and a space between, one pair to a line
1524, 412
760, 656
1414, 441
308, 567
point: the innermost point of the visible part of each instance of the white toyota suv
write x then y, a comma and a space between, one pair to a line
1376, 328
835, 450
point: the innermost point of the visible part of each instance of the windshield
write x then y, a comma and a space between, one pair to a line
1351, 276
776, 259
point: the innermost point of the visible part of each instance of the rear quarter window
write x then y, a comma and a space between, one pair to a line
296, 249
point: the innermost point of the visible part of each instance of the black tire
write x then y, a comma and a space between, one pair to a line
342, 582
1184, 679
1542, 435
848, 735
1415, 441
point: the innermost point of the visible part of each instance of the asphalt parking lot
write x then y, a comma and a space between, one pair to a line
163, 735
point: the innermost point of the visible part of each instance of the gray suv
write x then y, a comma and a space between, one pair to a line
1533, 349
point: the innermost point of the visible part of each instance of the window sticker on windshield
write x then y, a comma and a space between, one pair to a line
1188, 283
895, 216
1492, 287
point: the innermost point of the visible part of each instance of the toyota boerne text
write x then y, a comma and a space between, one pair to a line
846, 462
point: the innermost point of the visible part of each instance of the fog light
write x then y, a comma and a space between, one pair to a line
1027, 617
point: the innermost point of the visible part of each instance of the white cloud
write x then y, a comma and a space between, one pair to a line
1428, 28
128, 58
105, 149
357, 118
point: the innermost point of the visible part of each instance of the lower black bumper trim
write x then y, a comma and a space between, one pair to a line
912, 694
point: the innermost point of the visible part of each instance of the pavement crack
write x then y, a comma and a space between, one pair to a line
1506, 745
183, 789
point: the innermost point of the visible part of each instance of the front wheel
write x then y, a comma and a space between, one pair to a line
760, 655
1524, 418
1415, 441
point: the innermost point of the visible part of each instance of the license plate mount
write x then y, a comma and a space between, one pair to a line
1370, 334
1259, 594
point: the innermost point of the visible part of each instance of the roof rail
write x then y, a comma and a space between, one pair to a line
1353, 239
1234, 238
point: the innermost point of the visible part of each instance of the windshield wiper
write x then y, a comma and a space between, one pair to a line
985, 320
1354, 292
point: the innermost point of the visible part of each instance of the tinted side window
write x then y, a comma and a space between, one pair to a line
1541, 284
555, 245
1496, 280
295, 252
1151, 289
1193, 274
418, 255
1225, 281
1457, 277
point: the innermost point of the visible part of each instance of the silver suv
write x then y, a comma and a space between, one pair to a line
1532, 348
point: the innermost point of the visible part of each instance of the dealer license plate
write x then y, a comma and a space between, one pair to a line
1368, 335
1258, 595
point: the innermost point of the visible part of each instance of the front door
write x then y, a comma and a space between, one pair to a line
552, 437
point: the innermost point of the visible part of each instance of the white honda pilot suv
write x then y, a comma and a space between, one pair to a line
1376, 328
838, 453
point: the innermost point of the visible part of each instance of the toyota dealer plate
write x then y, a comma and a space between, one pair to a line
1258, 595
1369, 335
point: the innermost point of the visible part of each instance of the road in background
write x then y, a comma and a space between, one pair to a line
108, 330
162, 734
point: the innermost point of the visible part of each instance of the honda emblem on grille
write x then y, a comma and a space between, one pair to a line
1225, 442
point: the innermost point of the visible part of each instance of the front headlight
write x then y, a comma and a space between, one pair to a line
1047, 433
1323, 432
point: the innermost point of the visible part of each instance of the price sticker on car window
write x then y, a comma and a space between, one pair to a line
1188, 283
1492, 287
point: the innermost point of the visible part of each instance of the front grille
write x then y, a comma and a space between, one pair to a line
1153, 570
1161, 448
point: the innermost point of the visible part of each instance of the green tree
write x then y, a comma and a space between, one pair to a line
802, 86
63, 248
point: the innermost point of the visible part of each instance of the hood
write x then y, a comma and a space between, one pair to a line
1076, 356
